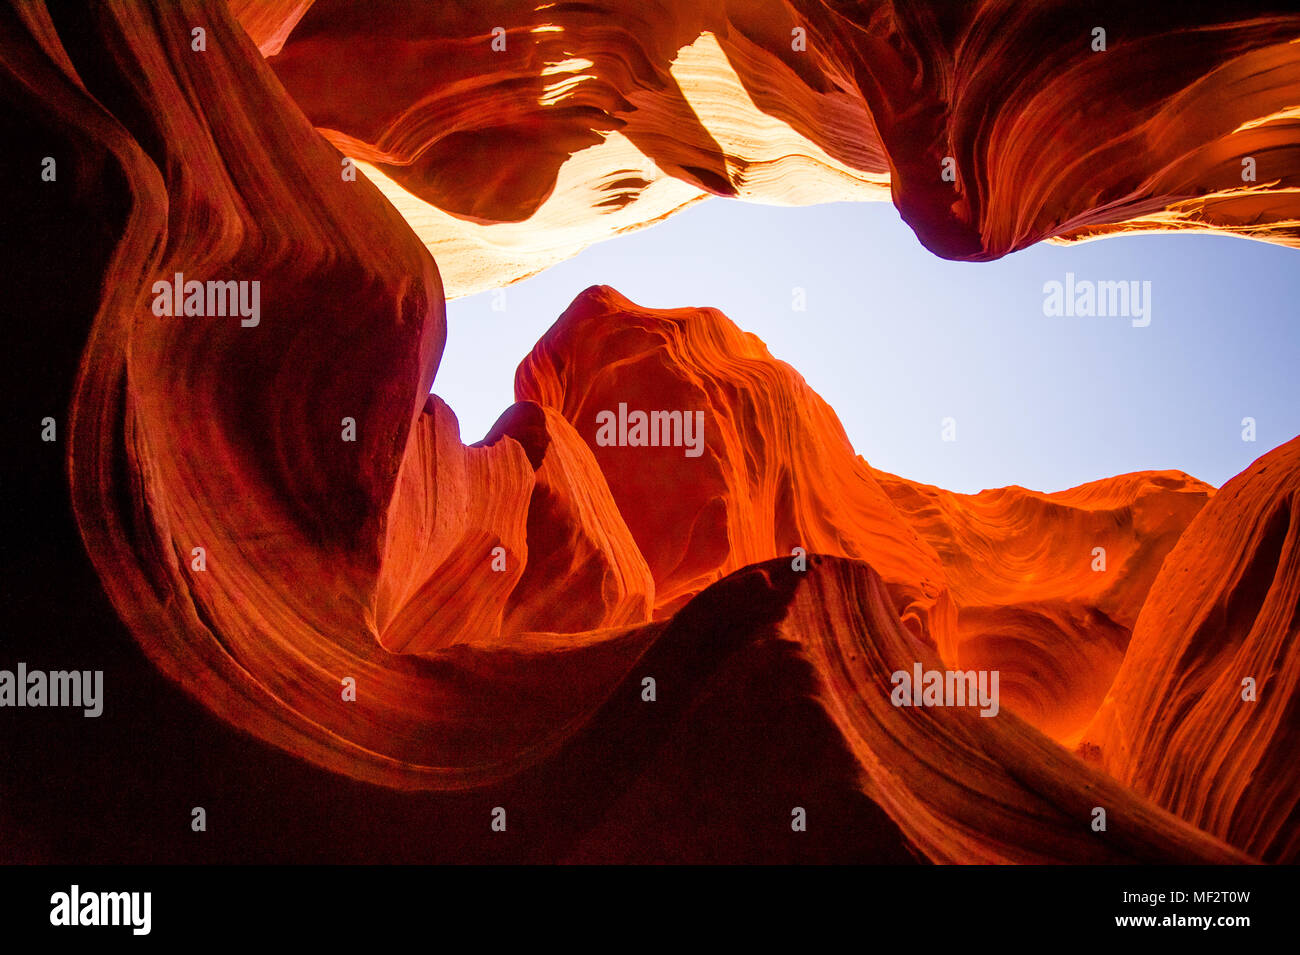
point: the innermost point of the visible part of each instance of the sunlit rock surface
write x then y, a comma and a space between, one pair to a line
1048, 586
1202, 716
512, 136
655, 653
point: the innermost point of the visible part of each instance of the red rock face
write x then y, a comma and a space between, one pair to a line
575, 533
774, 470
1202, 716
801, 101
676, 642
1048, 587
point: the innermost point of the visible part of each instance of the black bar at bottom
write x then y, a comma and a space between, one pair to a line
931, 904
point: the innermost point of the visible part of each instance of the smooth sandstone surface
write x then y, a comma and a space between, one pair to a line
324, 559
586, 120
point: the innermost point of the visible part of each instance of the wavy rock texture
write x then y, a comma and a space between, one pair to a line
596, 118
1035, 598
575, 534
780, 683
454, 508
1177, 725
500, 607
775, 470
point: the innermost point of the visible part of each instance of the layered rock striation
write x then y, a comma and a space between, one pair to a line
658, 648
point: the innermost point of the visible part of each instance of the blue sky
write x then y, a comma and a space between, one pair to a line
897, 339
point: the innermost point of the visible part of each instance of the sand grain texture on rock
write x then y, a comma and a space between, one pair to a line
499, 605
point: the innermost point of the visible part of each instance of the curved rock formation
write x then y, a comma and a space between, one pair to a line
577, 121
773, 469
1204, 716
575, 534
776, 693
453, 509
1048, 587
677, 643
